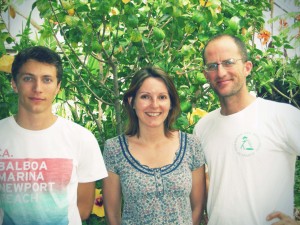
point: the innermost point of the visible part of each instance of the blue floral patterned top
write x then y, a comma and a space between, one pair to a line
155, 196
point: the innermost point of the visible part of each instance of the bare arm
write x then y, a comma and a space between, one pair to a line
112, 198
197, 195
284, 219
85, 199
206, 194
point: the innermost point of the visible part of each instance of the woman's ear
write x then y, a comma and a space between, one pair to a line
129, 101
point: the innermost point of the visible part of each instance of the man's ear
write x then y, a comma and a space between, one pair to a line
58, 87
248, 67
206, 75
14, 85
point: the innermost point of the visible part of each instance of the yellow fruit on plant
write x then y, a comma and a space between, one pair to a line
196, 112
6, 63
12, 12
205, 3
125, 1
71, 12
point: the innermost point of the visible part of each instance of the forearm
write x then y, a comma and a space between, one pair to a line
113, 218
85, 199
112, 199
197, 215
197, 196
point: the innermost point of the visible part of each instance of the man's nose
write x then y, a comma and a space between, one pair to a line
221, 70
37, 85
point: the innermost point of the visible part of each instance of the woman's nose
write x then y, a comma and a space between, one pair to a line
154, 102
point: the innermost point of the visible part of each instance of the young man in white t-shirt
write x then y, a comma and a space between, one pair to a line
48, 165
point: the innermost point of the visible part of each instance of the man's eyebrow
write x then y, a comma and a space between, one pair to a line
26, 73
33, 75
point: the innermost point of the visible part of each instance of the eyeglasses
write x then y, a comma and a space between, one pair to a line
212, 67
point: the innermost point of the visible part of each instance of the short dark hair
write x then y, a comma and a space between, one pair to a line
38, 53
239, 43
136, 83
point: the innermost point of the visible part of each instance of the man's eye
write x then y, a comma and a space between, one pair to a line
47, 80
27, 78
212, 66
228, 62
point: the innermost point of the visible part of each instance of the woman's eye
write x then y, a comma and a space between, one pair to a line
145, 97
163, 97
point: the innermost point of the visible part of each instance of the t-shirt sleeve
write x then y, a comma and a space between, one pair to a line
91, 165
197, 155
289, 118
110, 154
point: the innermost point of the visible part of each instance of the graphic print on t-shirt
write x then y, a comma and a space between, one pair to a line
247, 144
34, 191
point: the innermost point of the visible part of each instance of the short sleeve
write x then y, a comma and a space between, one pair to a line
91, 164
290, 125
196, 152
110, 154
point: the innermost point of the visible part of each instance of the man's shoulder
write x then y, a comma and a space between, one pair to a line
6, 118
206, 120
5, 121
275, 106
71, 125
209, 116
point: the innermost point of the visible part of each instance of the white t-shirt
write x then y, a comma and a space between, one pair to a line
251, 162
40, 172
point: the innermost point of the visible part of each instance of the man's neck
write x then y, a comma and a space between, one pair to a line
35, 122
235, 104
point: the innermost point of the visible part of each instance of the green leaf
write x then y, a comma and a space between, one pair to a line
158, 33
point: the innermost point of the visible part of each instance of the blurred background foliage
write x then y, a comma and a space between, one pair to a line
102, 43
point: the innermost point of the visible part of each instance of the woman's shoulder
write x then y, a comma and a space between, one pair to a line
115, 144
189, 141
114, 139
189, 137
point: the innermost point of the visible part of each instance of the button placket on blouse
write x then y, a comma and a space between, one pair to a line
159, 182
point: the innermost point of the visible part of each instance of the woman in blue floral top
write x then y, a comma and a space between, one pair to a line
156, 170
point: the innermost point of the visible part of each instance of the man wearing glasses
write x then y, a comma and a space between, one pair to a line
250, 144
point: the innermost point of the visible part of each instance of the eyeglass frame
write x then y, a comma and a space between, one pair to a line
231, 62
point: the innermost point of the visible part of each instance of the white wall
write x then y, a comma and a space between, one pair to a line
281, 7
18, 24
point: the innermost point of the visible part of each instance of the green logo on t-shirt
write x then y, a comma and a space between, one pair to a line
247, 144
